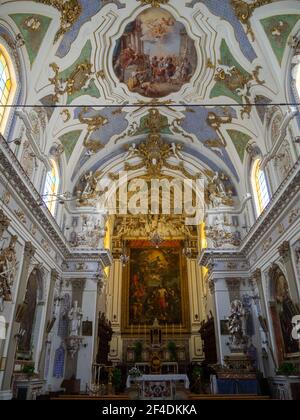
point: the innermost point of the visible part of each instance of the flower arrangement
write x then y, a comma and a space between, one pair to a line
286, 369
135, 373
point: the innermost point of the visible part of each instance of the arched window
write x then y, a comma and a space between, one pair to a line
7, 86
51, 187
260, 187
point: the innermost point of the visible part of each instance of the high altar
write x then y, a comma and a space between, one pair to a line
159, 379
153, 295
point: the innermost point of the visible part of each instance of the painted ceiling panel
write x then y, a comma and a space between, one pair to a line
33, 29
112, 61
240, 141
229, 60
278, 29
90, 89
69, 141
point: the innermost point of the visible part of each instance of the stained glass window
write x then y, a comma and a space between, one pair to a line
51, 187
6, 85
260, 187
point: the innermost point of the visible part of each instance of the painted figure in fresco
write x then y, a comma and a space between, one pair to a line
162, 298
155, 56
154, 286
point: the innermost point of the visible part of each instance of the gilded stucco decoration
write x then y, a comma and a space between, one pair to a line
244, 11
239, 82
93, 123
70, 11
153, 3
155, 152
77, 80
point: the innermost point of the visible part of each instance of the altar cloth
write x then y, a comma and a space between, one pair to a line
159, 378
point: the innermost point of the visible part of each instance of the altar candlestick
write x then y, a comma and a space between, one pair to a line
173, 330
139, 329
166, 330
131, 329
145, 332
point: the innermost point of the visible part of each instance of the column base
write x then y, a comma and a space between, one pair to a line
5, 395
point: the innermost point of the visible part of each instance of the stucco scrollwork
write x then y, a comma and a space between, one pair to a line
70, 11
221, 234
154, 3
244, 10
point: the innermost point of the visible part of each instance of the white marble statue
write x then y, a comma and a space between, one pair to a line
75, 317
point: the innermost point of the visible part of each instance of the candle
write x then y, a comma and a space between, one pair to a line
166, 330
173, 330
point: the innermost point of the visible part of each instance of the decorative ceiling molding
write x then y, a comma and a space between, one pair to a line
153, 3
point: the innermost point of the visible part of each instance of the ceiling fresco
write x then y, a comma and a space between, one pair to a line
155, 56
201, 64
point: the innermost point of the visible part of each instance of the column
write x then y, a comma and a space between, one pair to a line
195, 300
114, 308
266, 353
53, 278
85, 354
29, 252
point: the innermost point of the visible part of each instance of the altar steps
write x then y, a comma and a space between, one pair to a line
227, 397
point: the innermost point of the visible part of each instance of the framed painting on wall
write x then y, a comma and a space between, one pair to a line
156, 286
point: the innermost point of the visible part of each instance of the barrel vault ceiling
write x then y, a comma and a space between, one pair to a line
230, 54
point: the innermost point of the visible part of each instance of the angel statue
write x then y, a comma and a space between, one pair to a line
236, 327
75, 317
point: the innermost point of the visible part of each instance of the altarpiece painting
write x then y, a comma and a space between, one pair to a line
155, 286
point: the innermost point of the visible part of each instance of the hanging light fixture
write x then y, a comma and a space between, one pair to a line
156, 239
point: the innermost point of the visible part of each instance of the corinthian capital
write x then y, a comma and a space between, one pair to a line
4, 223
29, 250
54, 275
284, 250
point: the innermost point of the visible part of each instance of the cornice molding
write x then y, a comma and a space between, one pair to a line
21, 184
209, 255
287, 190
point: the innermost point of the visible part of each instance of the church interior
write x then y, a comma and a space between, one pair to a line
149, 199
